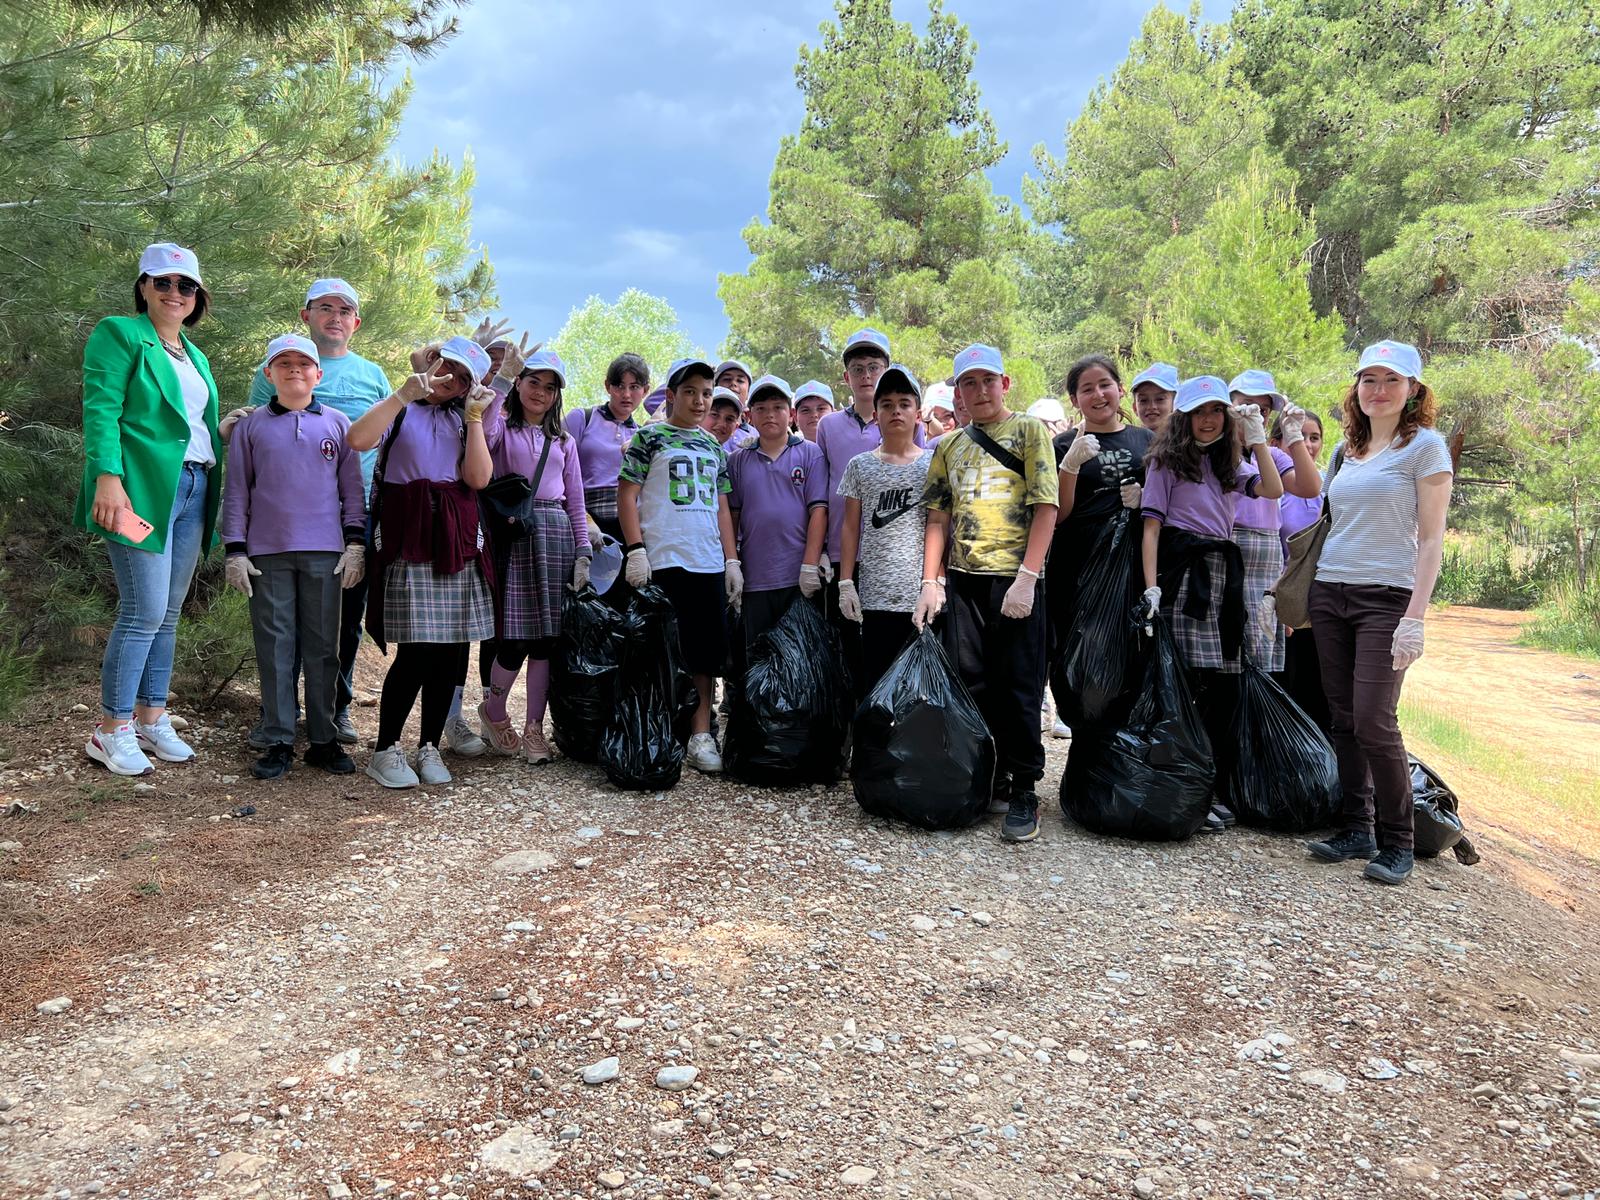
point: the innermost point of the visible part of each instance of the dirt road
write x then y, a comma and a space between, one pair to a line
358, 993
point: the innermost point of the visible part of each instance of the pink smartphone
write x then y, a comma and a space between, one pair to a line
131, 525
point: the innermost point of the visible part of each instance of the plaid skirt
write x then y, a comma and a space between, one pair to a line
600, 503
419, 606
1262, 551
1199, 640
537, 568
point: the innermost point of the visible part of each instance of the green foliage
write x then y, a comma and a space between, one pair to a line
1489, 571
1568, 621
880, 210
215, 643
596, 332
280, 16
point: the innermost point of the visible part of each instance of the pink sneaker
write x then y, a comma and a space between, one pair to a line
499, 736
534, 748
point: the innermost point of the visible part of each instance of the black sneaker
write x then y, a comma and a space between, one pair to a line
1352, 843
274, 763
330, 756
1022, 818
1391, 866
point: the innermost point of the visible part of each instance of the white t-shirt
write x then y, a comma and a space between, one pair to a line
893, 524
196, 395
1374, 536
683, 475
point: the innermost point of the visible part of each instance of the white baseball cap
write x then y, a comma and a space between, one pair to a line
813, 387
469, 354
1400, 357
544, 360
770, 383
1200, 390
286, 342
169, 258
978, 357
1047, 408
939, 395
332, 287
1163, 375
1258, 383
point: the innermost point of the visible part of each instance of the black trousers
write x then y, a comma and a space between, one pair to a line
1301, 677
884, 636
849, 636
430, 669
1002, 662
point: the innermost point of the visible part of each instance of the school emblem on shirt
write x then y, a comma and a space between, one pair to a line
329, 449
798, 477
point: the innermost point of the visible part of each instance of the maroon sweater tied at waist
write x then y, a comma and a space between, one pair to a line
425, 521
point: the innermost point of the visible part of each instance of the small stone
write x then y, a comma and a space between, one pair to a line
338, 1191
10, 847
178, 723
144, 789
78, 708
54, 1008
629, 1024
1144, 1187
857, 1176
982, 918
924, 924
1507, 1125
667, 1129
1077, 1057
603, 1071
580, 864
227, 780
1328, 1081
975, 1047
1486, 1091
1583, 1061
522, 862
343, 1063
1380, 1069
1414, 1170
720, 1149
519, 1151
676, 1079
612, 1179
289, 1081
519, 927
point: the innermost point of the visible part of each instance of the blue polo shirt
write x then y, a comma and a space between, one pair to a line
772, 499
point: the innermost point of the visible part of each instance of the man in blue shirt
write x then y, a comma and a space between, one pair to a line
351, 385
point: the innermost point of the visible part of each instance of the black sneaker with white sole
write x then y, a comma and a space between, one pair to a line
1391, 866
1022, 818
1352, 843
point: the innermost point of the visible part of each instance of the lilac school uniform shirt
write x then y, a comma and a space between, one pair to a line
428, 446
841, 436
1295, 513
1254, 513
1203, 507
600, 440
293, 483
772, 499
516, 451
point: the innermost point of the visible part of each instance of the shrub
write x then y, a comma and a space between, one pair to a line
1568, 620
214, 641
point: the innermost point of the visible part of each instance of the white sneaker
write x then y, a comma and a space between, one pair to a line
703, 754
162, 740
119, 751
389, 767
460, 739
430, 767
1060, 729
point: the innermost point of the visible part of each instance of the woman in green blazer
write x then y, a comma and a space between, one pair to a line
151, 483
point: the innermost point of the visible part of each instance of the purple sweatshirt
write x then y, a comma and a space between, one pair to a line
600, 439
293, 483
516, 452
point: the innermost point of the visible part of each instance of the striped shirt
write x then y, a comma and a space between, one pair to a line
1374, 536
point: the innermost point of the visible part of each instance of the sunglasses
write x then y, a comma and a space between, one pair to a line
165, 283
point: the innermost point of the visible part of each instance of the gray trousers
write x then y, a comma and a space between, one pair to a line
296, 606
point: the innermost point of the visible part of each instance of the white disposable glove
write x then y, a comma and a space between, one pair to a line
1018, 601
1084, 447
420, 386
1407, 647
352, 565
849, 601
810, 581
1152, 602
1292, 425
825, 567
1252, 424
488, 332
225, 426
516, 356
636, 568
733, 582
929, 602
1268, 613
1132, 495
580, 572
237, 572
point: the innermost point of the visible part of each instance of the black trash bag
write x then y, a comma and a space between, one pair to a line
643, 745
921, 751
583, 676
1283, 775
791, 718
1151, 779
1098, 665
1436, 816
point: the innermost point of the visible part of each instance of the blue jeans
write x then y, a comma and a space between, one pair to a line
151, 586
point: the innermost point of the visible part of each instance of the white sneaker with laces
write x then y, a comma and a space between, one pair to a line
162, 740
702, 754
389, 767
1060, 729
459, 738
119, 751
430, 767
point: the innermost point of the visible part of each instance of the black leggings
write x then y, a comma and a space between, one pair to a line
429, 668
1216, 695
512, 654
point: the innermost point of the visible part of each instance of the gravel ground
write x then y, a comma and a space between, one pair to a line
530, 983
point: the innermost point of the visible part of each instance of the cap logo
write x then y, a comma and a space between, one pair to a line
1204, 386
1383, 351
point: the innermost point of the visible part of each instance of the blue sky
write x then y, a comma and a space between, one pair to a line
626, 145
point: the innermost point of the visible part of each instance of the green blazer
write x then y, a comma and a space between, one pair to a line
135, 426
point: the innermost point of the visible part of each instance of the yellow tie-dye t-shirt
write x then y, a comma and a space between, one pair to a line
991, 506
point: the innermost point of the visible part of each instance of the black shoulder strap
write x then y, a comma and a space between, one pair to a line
996, 451
538, 470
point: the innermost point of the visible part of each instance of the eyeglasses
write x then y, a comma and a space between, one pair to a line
866, 368
165, 283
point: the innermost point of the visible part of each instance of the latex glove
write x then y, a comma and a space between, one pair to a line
1018, 601
733, 583
424, 356
929, 603
810, 581
825, 567
488, 332
580, 573
849, 601
1084, 447
1132, 495
1292, 425
516, 356
421, 385
1252, 424
1268, 613
478, 401
1152, 602
636, 568
237, 572
352, 565
225, 426
1407, 647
